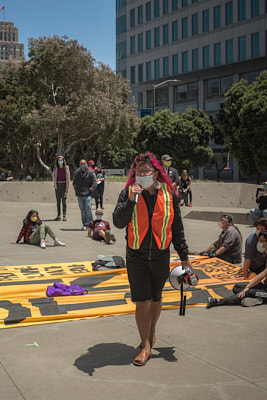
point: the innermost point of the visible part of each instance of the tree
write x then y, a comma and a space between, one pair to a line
243, 124
186, 137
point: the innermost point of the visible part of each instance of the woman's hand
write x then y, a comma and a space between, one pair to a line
242, 293
136, 189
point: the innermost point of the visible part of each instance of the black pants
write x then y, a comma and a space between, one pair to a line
99, 191
250, 293
61, 197
185, 196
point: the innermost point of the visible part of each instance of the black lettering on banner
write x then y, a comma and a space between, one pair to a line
30, 271
78, 269
221, 290
16, 312
8, 276
55, 270
48, 306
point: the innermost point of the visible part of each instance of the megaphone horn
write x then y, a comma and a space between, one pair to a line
176, 278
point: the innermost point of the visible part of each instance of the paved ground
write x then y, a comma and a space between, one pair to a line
208, 354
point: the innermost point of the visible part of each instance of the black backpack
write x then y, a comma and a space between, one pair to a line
104, 263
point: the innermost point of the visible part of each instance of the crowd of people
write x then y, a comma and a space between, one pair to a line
149, 208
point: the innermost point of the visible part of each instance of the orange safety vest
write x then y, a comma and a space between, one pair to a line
161, 221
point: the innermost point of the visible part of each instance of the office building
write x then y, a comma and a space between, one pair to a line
10, 48
181, 53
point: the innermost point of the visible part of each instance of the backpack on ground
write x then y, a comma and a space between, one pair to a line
59, 289
104, 263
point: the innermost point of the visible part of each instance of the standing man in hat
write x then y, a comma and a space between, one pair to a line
166, 162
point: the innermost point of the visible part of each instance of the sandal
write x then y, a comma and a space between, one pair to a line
142, 358
151, 344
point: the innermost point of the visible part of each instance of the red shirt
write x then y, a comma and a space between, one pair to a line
98, 225
61, 175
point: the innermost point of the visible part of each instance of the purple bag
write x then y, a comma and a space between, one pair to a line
59, 289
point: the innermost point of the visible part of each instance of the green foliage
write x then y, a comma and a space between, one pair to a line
185, 137
243, 124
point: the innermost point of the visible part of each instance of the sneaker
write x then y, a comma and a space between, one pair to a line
251, 301
58, 218
107, 237
64, 218
58, 243
112, 238
190, 205
84, 228
42, 244
211, 302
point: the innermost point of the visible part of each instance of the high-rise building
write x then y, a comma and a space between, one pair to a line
10, 48
181, 53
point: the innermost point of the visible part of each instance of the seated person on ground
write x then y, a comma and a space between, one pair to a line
34, 232
100, 229
228, 246
261, 199
254, 260
185, 187
248, 294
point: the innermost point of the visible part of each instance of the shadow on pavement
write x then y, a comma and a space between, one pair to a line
105, 354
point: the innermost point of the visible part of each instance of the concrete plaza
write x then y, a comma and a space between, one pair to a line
208, 354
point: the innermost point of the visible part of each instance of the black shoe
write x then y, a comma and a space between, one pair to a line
212, 302
58, 218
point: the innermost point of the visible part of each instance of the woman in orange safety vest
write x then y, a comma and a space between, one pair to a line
149, 209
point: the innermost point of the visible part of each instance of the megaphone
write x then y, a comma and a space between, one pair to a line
182, 279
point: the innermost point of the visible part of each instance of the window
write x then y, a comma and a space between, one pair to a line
241, 10
255, 8
265, 6
255, 45
156, 37
213, 89
121, 51
242, 48
217, 17
226, 84
206, 21
165, 34
121, 25
206, 57
265, 42
192, 92
229, 13
174, 31
148, 71
185, 61
157, 68
140, 15
132, 17
148, 11
133, 74
165, 66
140, 72
217, 54
186, 93
175, 64
148, 40
156, 8
195, 24
184, 27
194, 1
120, 4
229, 51
165, 6
123, 73
140, 42
195, 59
250, 76
184, 3
174, 5
133, 45
181, 94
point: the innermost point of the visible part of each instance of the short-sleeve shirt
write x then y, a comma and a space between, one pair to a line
251, 253
98, 225
231, 239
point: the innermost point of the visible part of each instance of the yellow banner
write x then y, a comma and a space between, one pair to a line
23, 299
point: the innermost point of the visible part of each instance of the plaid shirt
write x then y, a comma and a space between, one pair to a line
27, 230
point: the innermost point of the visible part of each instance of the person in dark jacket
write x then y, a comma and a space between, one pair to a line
61, 181
166, 162
34, 232
100, 185
84, 183
261, 199
149, 209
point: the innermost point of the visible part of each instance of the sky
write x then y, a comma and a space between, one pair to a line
90, 22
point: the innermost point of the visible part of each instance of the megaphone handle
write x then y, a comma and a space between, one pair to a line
184, 304
182, 299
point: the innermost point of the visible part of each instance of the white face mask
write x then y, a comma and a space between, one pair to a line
99, 217
144, 181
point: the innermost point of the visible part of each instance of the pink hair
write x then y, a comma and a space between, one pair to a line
150, 158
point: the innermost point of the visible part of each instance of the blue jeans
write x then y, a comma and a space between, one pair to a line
85, 204
256, 213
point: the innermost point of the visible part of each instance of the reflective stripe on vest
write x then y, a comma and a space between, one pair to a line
161, 222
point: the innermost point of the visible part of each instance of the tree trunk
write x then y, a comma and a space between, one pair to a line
60, 151
38, 145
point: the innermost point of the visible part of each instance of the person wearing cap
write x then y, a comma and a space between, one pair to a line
261, 199
166, 162
249, 294
91, 164
100, 185
100, 229
185, 187
228, 246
